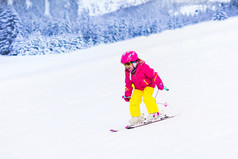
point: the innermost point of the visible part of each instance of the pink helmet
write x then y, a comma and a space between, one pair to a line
129, 56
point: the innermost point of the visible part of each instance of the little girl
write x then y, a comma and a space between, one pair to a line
143, 79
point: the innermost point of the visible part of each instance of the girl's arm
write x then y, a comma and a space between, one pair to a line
128, 85
154, 76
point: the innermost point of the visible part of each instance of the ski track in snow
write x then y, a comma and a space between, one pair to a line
63, 106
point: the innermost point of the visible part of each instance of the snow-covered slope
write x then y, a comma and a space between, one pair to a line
96, 7
62, 106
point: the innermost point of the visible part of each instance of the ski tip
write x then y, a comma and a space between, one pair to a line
129, 127
113, 130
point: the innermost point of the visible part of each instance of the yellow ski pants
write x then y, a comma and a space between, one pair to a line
148, 99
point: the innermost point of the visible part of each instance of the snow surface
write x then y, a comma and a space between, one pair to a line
63, 106
192, 9
97, 7
106, 6
28, 4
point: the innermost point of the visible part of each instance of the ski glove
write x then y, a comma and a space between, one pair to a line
126, 98
161, 86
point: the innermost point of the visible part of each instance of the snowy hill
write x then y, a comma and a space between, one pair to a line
62, 106
96, 7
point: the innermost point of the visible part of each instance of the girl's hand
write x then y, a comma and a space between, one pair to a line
161, 86
126, 98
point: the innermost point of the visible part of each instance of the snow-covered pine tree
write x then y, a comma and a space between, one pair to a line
85, 27
174, 22
154, 27
19, 46
123, 29
219, 14
95, 34
234, 3
131, 29
9, 30
146, 29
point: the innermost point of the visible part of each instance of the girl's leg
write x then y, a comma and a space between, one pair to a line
149, 100
135, 103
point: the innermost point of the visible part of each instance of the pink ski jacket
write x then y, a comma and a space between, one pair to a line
143, 77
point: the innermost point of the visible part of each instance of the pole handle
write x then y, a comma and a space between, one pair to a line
165, 88
126, 97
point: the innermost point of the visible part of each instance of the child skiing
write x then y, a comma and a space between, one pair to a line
143, 79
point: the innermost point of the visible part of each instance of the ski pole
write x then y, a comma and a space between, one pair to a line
165, 88
156, 93
165, 103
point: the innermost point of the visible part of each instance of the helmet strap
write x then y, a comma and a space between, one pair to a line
134, 67
133, 71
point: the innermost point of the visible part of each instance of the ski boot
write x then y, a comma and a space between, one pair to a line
152, 117
134, 121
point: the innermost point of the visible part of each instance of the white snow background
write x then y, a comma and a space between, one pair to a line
63, 106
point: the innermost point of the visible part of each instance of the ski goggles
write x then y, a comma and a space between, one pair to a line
129, 63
